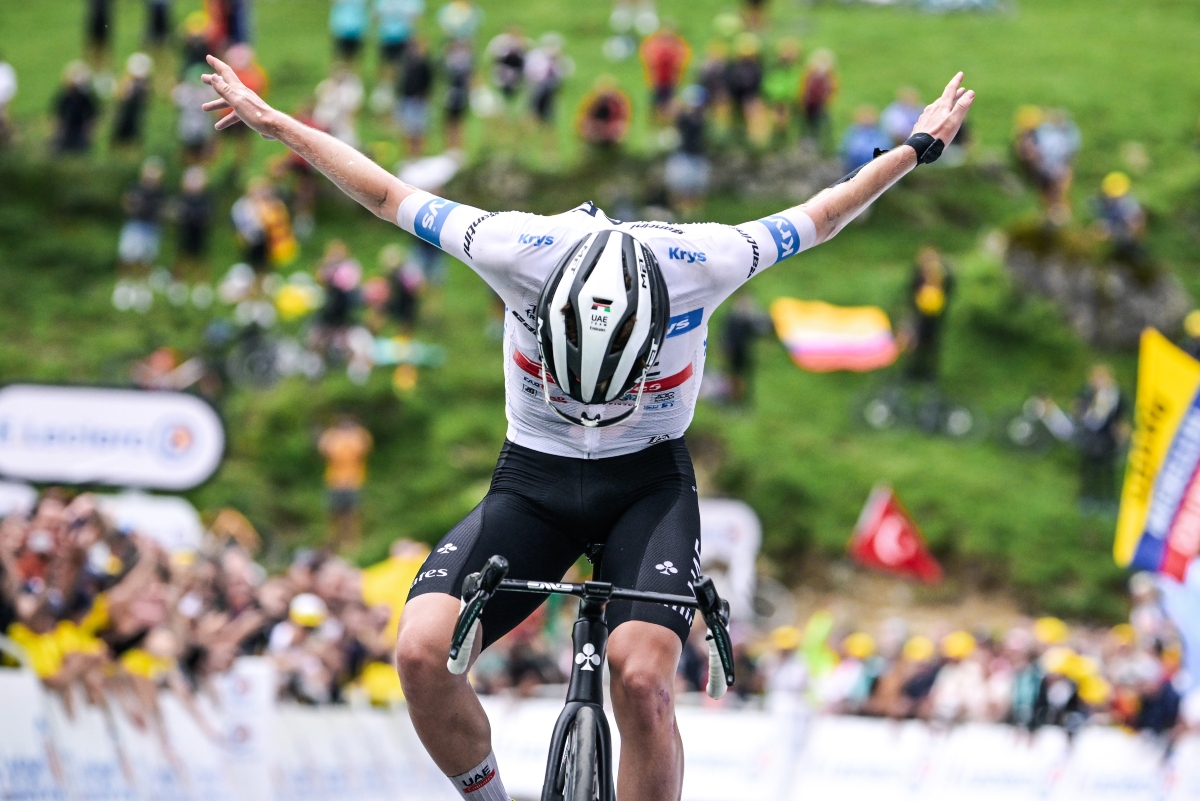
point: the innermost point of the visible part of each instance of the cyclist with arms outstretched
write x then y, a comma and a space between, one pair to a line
603, 357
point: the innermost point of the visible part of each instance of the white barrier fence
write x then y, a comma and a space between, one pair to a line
268, 752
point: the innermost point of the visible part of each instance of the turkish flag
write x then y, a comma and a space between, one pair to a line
886, 538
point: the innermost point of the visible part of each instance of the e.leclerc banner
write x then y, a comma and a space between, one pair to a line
117, 437
1158, 528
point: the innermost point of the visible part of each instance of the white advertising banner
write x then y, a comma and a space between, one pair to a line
153, 762
318, 746
30, 768
379, 737
1184, 776
424, 781
858, 759
746, 755
1108, 764
117, 437
297, 772
369, 780
521, 731
249, 723
343, 754
201, 758
89, 756
993, 763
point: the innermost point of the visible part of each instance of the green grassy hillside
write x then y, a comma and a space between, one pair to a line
998, 519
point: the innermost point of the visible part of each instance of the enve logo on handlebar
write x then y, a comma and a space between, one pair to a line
548, 586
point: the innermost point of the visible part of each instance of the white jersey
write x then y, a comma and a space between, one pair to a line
515, 252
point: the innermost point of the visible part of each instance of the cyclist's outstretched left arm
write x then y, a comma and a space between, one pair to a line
746, 250
373, 187
836, 206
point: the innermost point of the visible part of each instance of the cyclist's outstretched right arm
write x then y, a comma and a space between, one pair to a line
373, 187
453, 227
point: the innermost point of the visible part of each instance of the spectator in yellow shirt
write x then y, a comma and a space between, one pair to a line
345, 447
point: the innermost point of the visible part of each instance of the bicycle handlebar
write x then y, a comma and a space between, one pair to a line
478, 589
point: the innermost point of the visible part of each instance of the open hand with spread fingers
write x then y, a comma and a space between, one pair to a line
247, 106
942, 118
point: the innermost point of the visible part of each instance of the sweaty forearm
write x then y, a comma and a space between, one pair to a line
835, 207
370, 185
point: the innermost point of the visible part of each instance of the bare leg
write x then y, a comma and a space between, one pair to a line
643, 658
444, 709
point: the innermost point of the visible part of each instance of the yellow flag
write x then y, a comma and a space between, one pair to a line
1167, 383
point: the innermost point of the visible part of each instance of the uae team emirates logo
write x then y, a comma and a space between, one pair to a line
472, 783
601, 310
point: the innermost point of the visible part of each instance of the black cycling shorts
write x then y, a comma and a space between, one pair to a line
543, 511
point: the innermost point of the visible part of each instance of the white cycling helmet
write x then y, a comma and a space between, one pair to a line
601, 320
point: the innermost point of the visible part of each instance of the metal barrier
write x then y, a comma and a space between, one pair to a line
258, 750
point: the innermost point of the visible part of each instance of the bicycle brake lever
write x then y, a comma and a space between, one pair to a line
477, 591
715, 610
492, 574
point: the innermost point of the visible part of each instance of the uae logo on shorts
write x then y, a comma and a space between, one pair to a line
449, 547
588, 658
667, 569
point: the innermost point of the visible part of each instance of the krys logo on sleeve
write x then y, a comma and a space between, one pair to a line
787, 238
432, 218
118, 437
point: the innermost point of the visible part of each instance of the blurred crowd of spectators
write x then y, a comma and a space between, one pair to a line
1039, 673
112, 612
745, 87
1045, 145
749, 89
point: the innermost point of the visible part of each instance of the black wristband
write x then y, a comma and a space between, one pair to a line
927, 148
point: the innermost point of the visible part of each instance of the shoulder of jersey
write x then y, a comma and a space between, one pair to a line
684, 244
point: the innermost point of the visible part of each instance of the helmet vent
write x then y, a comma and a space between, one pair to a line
571, 323
622, 337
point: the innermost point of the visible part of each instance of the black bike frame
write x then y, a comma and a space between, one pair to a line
590, 639
590, 634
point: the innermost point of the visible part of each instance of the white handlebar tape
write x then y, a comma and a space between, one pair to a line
716, 672
459, 666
